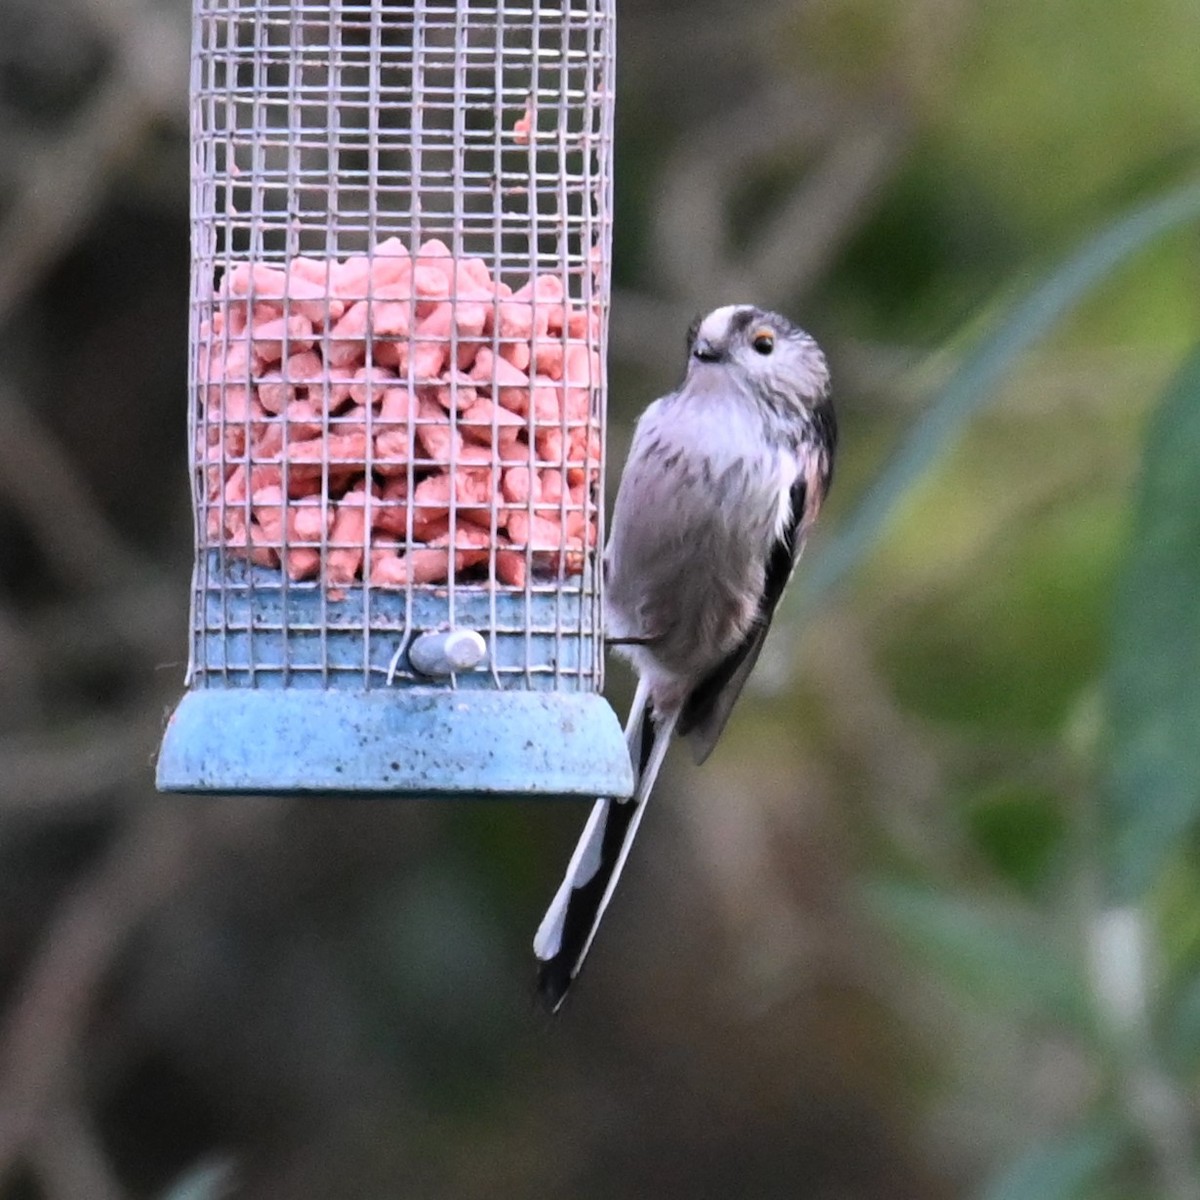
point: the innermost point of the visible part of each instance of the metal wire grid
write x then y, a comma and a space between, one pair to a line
320, 130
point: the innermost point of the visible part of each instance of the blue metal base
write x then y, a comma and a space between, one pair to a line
400, 742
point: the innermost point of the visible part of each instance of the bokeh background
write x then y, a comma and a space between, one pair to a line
925, 926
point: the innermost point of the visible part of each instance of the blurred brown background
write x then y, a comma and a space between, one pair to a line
275, 998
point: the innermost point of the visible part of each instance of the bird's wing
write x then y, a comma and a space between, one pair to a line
708, 706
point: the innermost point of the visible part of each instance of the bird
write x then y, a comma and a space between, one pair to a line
724, 479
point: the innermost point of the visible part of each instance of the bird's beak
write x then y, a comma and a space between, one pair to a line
705, 351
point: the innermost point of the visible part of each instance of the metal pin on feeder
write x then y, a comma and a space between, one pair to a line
401, 227
447, 653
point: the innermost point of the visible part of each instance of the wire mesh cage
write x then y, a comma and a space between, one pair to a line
401, 228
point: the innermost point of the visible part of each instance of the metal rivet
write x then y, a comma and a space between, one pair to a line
447, 652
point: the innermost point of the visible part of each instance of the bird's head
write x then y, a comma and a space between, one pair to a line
761, 351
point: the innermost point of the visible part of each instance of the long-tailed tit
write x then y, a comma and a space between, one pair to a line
724, 479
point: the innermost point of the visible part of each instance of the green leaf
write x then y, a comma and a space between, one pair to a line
1152, 785
1180, 1039
1063, 1168
1005, 957
972, 385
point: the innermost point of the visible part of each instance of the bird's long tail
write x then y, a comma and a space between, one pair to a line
569, 926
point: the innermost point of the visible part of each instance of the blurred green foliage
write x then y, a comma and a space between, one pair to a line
990, 552
1146, 801
1068, 1166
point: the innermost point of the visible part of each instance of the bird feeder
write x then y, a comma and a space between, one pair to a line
401, 227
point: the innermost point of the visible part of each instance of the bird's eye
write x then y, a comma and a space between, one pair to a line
763, 341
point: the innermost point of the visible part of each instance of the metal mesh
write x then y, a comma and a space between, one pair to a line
400, 261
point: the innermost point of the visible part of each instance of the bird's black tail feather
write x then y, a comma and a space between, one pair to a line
570, 924
582, 909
